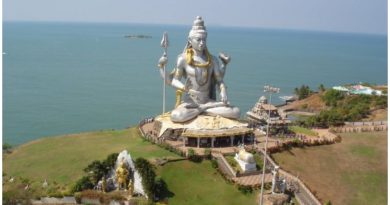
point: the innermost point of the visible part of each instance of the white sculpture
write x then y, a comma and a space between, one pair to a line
275, 178
245, 160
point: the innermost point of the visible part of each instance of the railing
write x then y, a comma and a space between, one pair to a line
146, 120
371, 126
225, 167
370, 123
301, 190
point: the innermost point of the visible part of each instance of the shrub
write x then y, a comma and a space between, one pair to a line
190, 152
16, 195
111, 160
245, 189
259, 161
232, 162
207, 153
268, 186
328, 203
303, 92
321, 88
148, 175
214, 163
192, 156
82, 184
331, 97
96, 170
160, 188
7, 148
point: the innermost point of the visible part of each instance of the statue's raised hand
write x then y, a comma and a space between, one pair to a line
162, 61
224, 58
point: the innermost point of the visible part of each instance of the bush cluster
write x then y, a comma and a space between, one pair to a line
303, 92
96, 170
245, 189
214, 164
192, 156
343, 108
104, 198
171, 149
145, 168
166, 146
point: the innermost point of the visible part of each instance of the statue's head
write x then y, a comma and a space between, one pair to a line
198, 35
122, 164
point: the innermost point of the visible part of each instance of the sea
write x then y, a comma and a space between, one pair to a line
63, 78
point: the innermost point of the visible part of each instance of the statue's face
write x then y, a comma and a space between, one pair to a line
198, 42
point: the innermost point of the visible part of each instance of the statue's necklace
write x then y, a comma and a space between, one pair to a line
201, 69
190, 59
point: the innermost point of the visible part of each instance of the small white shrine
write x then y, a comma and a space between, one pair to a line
245, 160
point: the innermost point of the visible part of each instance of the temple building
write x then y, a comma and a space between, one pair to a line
262, 111
203, 131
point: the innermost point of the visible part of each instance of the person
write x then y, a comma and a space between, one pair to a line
203, 75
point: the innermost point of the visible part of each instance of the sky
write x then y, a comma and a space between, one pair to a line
357, 16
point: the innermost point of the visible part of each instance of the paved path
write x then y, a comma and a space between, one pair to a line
252, 180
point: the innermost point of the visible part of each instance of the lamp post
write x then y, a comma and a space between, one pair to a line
267, 89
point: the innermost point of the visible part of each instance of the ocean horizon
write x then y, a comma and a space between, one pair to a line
65, 77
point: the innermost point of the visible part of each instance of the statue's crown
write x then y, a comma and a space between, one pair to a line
198, 27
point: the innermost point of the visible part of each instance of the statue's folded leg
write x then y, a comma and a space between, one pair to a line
183, 114
228, 112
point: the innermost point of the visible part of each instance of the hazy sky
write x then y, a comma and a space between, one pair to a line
363, 16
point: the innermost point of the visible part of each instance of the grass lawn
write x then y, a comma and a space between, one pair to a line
351, 172
302, 130
198, 183
62, 159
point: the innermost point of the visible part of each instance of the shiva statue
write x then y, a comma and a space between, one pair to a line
203, 75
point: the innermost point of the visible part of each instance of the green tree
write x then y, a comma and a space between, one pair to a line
96, 170
111, 160
303, 92
380, 102
7, 148
160, 188
331, 97
321, 88
83, 183
148, 176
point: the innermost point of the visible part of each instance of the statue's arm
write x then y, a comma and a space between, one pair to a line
178, 73
167, 77
218, 76
225, 59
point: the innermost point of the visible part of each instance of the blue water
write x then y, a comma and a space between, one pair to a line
61, 78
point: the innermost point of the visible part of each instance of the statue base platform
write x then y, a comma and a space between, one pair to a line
202, 126
203, 131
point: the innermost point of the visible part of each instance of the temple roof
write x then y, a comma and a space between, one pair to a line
268, 107
217, 133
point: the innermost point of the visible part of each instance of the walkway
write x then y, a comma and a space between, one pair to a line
252, 180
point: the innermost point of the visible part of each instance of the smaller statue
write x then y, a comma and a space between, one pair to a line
275, 179
130, 187
104, 184
121, 176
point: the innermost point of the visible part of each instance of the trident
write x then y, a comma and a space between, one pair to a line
164, 44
